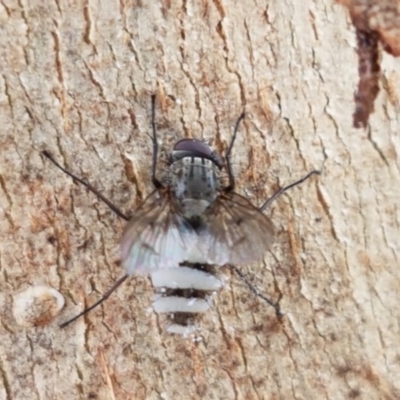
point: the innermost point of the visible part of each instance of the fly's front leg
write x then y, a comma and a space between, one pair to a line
88, 186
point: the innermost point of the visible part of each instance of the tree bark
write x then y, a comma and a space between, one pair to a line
76, 80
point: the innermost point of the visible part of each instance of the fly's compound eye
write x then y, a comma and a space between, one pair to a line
195, 148
193, 145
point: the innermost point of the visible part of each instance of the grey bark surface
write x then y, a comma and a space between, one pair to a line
76, 80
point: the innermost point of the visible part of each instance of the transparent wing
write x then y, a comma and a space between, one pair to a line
236, 232
156, 236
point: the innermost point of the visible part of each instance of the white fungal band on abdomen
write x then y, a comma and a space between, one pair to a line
184, 292
185, 278
175, 304
182, 329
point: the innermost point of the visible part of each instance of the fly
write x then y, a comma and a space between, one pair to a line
189, 227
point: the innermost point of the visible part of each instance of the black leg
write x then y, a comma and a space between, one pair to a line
284, 189
262, 208
257, 292
105, 297
231, 185
88, 186
156, 182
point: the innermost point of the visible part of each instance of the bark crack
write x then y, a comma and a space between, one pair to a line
60, 74
252, 60
28, 30
7, 214
9, 98
376, 147
5, 380
386, 236
89, 24
335, 125
36, 380
131, 36
325, 204
221, 33
132, 175
296, 140
183, 57
104, 253
95, 81
108, 377
233, 382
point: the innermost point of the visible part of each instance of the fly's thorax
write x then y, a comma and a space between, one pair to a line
195, 182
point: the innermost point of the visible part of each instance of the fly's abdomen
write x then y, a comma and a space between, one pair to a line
183, 293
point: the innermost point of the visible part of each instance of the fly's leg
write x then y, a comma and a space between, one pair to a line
262, 208
113, 208
275, 305
88, 186
231, 185
155, 181
103, 298
285, 188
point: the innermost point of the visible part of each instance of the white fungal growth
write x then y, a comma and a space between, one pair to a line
185, 278
182, 330
175, 304
37, 305
182, 293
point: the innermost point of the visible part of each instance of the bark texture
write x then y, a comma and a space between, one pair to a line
76, 79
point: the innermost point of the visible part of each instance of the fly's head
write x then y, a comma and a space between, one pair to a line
195, 148
194, 178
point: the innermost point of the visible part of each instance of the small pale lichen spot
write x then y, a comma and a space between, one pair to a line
37, 305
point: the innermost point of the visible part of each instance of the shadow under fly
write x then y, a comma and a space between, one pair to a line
187, 228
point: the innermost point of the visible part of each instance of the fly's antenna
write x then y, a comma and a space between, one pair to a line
285, 188
88, 186
103, 298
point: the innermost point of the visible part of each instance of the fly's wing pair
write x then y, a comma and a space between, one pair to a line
156, 237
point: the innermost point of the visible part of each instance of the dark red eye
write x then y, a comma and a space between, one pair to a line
194, 145
195, 148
